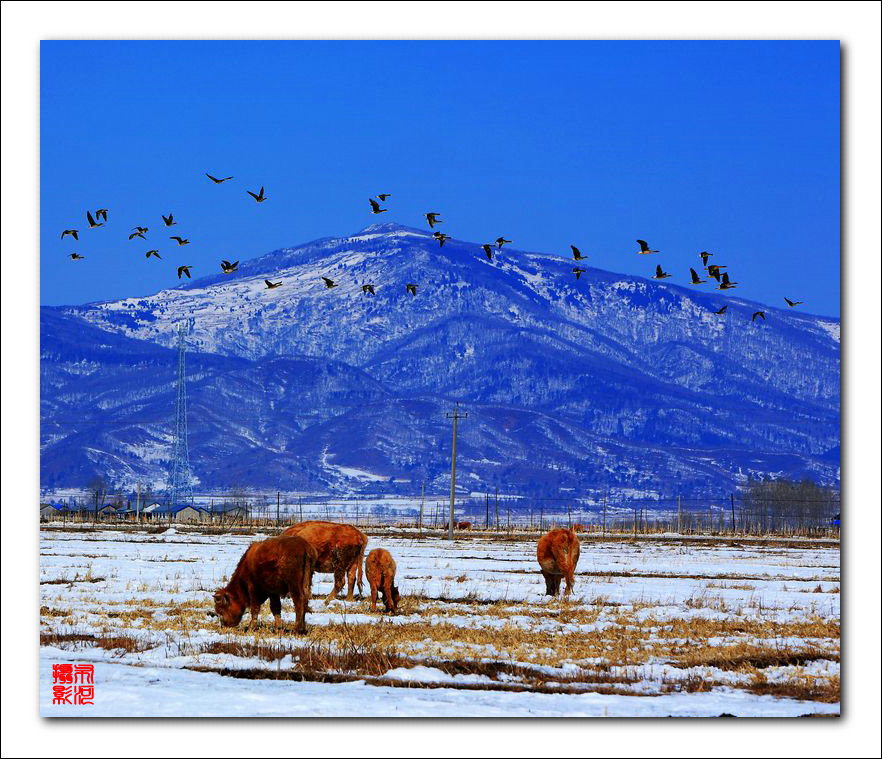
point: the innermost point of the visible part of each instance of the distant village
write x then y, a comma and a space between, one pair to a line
152, 512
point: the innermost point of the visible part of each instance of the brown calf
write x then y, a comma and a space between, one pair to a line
271, 569
558, 554
340, 549
380, 570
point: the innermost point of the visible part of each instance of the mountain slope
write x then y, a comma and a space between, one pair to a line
614, 362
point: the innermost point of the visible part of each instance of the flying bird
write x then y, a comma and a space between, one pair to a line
383, 195
228, 267
329, 283
215, 179
153, 253
440, 237
758, 313
500, 241
433, 219
411, 288
368, 289
722, 310
577, 254
659, 274
72, 232
184, 270
101, 213
725, 284
714, 271
488, 251
578, 272
375, 207
76, 257
695, 279
271, 285
92, 222
644, 248
259, 197
180, 240
793, 303
704, 256
137, 234
169, 220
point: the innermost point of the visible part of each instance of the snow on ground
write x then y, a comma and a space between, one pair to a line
654, 628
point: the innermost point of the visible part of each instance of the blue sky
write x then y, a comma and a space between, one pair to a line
731, 147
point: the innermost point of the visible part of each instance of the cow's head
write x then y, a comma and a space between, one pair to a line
396, 597
227, 609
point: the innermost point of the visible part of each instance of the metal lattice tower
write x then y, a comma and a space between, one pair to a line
179, 476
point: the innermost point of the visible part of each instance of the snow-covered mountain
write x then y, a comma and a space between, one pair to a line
605, 380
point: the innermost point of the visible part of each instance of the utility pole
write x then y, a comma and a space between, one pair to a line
604, 516
456, 416
732, 502
487, 504
678, 514
497, 508
422, 501
278, 504
138, 504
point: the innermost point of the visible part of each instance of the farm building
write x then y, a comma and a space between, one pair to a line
108, 512
52, 510
179, 513
228, 514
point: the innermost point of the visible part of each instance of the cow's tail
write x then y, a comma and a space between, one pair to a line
361, 567
308, 569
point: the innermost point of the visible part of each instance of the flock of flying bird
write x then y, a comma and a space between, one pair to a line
227, 267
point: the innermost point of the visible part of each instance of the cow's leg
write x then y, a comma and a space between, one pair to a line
350, 577
557, 579
387, 592
569, 583
299, 600
255, 601
255, 614
339, 580
373, 585
550, 590
276, 609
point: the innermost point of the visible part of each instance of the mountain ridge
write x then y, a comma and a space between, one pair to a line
618, 360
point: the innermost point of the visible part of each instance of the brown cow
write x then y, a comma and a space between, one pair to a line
558, 554
271, 568
380, 571
578, 527
340, 549
459, 525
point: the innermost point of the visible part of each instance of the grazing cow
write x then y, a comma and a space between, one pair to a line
459, 525
380, 570
271, 568
558, 554
340, 549
578, 527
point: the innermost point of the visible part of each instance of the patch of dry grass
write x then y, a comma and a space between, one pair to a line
801, 687
119, 642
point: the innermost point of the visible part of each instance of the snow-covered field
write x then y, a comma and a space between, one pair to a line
654, 628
